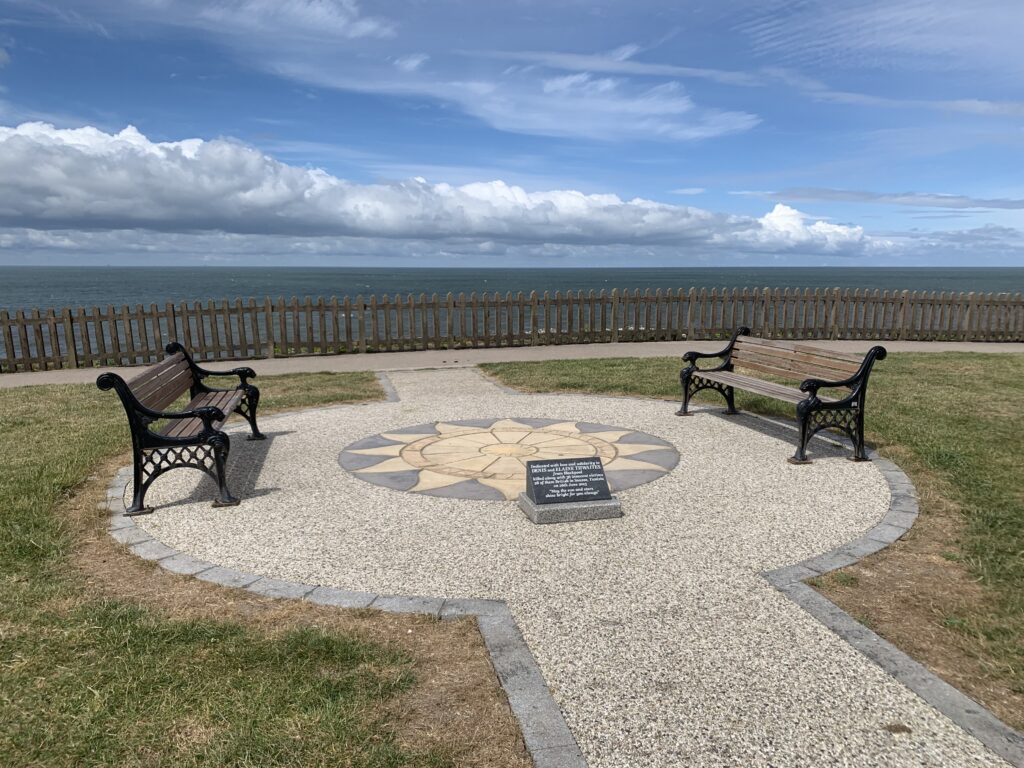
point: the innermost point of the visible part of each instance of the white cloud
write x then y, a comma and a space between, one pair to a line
982, 35
689, 191
85, 179
621, 62
293, 18
5, 57
412, 62
624, 52
784, 226
604, 109
983, 107
926, 199
988, 245
584, 82
573, 106
337, 44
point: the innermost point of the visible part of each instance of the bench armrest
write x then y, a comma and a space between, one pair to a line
811, 386
244, 373
208, 414
692, 357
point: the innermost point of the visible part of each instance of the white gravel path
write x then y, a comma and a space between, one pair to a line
656, 633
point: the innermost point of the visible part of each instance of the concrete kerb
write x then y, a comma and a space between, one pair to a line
1003, 740
390, 393
545, 732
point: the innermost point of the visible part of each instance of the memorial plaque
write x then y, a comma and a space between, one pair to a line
561, 481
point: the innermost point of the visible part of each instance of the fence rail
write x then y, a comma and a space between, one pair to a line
239, 329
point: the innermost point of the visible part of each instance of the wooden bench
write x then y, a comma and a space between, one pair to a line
817, 368
188, 438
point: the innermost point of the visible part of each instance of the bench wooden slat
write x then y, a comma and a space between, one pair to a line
167, 391
850, 357
760, 386
787, 369
790, 351
791, 361
147, 388
154, 371
773, 370
794, 364
226, 401
768, 369
784, 370
162, 399
796, 358
153, 375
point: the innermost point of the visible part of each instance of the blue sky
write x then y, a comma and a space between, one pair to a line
789, 132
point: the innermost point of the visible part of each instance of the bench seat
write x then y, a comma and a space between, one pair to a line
814, 367
761, 387
226, 401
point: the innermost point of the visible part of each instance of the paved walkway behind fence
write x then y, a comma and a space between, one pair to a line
462, 358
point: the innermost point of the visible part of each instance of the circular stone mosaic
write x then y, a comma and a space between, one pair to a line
486, 458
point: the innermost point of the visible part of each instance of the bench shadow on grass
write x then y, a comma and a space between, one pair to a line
827, 444
245, 463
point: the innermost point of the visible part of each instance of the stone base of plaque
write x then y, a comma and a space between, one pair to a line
569, 512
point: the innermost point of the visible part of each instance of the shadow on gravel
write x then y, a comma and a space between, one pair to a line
821, 446
245, 463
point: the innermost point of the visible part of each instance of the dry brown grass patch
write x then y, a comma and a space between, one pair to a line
911, 591
456, 703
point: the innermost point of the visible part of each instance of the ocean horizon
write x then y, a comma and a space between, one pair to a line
57, 287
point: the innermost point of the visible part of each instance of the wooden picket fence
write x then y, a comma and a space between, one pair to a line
242, 329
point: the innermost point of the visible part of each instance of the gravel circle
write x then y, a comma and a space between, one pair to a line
656, 632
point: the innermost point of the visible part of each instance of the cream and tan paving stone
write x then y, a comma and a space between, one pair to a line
656, 632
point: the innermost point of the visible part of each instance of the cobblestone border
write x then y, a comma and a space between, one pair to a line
545, 732
390, 393
971, 716
997, 736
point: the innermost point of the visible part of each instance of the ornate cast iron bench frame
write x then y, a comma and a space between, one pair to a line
814, 411
192, 437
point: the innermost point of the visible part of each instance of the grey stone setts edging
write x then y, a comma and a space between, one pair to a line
545, 732
390, 393
1006, 742
495, 382
897, 521
1001, 739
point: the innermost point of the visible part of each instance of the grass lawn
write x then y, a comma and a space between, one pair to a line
107, 660
952, 592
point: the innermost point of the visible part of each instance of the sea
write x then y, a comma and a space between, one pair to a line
59, 287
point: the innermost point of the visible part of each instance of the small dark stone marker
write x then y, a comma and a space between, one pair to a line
567, 490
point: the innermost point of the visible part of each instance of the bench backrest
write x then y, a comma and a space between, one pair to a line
163, 383
791, 360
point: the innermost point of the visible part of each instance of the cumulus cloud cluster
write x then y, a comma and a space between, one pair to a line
84, 179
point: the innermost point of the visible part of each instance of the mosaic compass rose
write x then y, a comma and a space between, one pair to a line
486, 459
